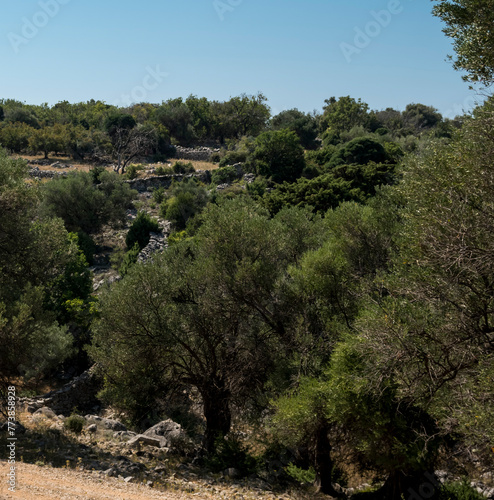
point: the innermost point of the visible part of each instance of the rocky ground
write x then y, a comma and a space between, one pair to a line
106, 460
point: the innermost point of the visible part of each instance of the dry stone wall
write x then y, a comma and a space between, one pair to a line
195, 154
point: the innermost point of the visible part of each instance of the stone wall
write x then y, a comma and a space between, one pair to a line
45, 174
195, 154
156, 181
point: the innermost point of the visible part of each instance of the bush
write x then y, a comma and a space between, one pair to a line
159, 195
224, 175
133, 171
233, 157
163, 171
301, 475
361, 151
257, 188
278, 155
140, 229
85, 206
95, 174
74, 423
87, 245
231, 453
215, 158
130, 258
183, 168
187, 200
459, 491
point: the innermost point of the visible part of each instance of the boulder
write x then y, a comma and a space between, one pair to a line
106, 423
46, 412
168, 431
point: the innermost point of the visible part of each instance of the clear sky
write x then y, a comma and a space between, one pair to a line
297, 53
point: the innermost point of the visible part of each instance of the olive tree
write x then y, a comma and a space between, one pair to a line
204, 315
41, 268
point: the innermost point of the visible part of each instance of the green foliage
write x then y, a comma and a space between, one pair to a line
459, 491
37, 260
177, 236
161, 170
469, 24
130, 258
84, 206
15, 136
140, 229
115, 123
344, 183
133, 171
359, 151
231, 453
224, 175
159, 194
257, 188
73, 283
95, 174
180, 167
321, 156
74, 423
343, 114
279, 155
211, 303
304, 125
391, 436
232, 157
187, 199
87, 245
302, 476
420, 117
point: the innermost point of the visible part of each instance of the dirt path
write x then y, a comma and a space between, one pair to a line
45, 483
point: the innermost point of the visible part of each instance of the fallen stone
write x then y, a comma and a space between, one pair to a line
45, 411
142, 439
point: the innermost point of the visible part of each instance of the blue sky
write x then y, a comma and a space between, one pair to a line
297, 53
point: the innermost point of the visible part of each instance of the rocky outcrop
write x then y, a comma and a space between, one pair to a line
80, 393
165, 435
157, 243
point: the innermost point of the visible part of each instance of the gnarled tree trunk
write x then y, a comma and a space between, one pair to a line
216, 400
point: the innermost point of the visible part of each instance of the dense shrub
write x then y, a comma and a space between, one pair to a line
74, 423
231, 453
224, 175
140, 229
279, 155
161, 170
360, 151
130, 258
459, 491
84, 206
180, 167
133, 171
187, 199
87, 245
232, 157
159, 194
